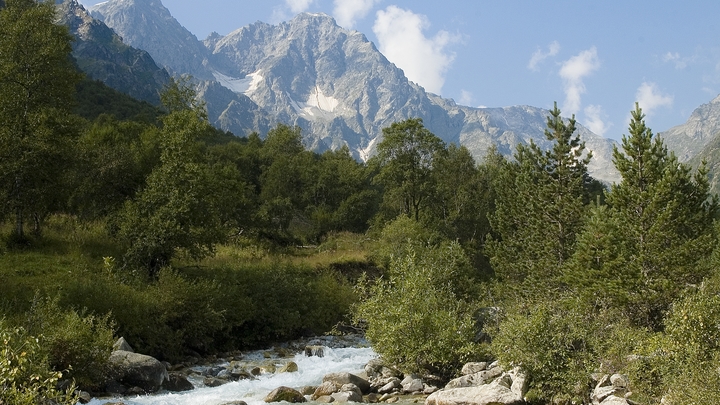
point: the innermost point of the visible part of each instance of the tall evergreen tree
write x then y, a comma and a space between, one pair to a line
659, 227
540, 208
37, 84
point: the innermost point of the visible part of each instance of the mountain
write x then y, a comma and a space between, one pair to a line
101, 54
689, 139
330, 81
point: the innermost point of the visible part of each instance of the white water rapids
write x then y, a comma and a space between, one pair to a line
310, 372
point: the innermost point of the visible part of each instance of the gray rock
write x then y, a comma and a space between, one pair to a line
325, 399
391, 386
138, 369
290, 367
327, 388
476, 379
410, 385
347, 396
474, 367
84, 397
495, 393
317, 351
214, 381
122, 344
615, 400
345, 378
286, 394
177, 383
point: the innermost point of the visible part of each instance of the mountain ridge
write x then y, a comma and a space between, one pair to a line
331, 82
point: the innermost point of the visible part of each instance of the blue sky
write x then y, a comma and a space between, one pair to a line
594, 58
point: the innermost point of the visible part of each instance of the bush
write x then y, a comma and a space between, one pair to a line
560, 343
77, 343
420, 317
25, 375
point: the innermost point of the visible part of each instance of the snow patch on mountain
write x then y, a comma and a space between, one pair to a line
247, 85
318, 106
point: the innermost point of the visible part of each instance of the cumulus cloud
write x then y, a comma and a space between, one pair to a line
298, 6
401, 39
573, 71
650, 98
540, 56
680, 62
347, 12
595, 119
466, 97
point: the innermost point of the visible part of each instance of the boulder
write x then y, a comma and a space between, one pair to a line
347, 378
122, 344
412, 384
139, 370
317, 351
476, 379
327, 388
286, 394
325, 399
177, 383
495, 393
473, 367
291, 367
214, 381
347, 396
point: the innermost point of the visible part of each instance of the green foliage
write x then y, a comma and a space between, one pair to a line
641, 252
406, 157
77, 343
177, 209
421, 317
25, 376
37, 82
560, 343
94, 99
540, 207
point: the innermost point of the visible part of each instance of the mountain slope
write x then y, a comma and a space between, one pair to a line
148, 25
690, 138
102, 55
334, 84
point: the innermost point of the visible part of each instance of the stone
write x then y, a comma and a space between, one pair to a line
614, 400
290, 367
177, 383
317, 351
138, 369
410, 385
307, 390
115, 388
214, 381
476, 379
473, 367
620, 381
286, 394
347, 396
84, 397
325, 389
122, 344
351, 388
345, 378
495, 393
520, 382
234, 403
372, 398
389, 387
392, 400
325, 399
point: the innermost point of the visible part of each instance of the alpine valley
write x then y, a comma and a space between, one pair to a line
331, 82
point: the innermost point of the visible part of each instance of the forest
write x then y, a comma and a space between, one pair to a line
119, 218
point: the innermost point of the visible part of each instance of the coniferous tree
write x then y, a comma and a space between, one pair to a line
646, 248
540, 209
37, 84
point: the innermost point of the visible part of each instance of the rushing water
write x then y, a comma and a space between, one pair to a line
310, 372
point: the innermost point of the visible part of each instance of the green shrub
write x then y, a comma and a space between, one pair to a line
25, 375
420, 317
77, 343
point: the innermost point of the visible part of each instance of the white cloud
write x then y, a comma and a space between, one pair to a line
594, 119
540, 56
679, 61
573, 71
424, 60
649, 97
347, 12
466, 97
298, 6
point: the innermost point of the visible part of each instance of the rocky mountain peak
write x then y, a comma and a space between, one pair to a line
688, 139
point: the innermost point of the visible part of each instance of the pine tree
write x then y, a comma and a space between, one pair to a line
540, 209
663, 220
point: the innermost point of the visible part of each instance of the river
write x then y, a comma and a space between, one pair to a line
310, 372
